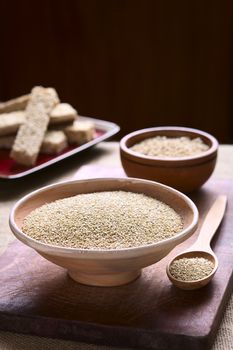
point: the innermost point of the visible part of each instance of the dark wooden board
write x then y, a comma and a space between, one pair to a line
37, 297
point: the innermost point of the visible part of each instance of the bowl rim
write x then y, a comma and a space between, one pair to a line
178, 161
104, 253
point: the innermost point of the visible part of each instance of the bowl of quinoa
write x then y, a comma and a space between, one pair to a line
104, 231
183, 158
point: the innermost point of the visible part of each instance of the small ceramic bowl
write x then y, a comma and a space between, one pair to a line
184, 173
105, 267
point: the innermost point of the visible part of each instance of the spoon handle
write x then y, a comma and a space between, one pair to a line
210, 224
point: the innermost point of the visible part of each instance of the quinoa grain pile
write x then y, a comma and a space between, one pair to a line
103, 220
163, 146
191, 269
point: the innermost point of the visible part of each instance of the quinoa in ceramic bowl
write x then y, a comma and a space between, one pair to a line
182, 158
104, 231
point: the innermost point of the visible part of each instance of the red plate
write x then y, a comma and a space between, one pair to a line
10, 170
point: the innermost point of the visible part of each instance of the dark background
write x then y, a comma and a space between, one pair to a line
138, 63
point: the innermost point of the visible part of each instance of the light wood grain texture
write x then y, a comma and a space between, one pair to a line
201, 248
105, 267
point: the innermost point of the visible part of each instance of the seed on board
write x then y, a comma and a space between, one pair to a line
191, 269
163, 146
103, 220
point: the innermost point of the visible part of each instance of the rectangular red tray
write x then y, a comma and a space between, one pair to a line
10, 170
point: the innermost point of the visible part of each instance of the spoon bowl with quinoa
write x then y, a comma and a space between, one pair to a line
104, 231
183, 158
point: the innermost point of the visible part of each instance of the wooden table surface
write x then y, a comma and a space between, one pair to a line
105, 154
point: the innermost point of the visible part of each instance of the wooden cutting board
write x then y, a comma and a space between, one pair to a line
37, 297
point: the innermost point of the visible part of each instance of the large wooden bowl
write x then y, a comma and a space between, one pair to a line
105, 267
186, 174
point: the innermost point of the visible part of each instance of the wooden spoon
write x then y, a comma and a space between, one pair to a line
201, 248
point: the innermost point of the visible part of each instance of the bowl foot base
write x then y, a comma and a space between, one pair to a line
104, 280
